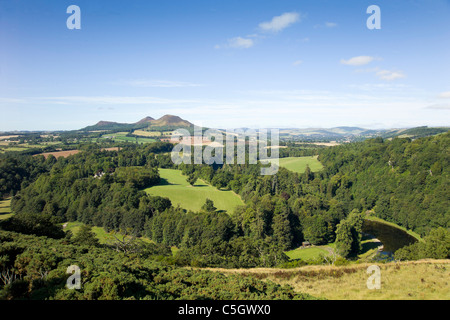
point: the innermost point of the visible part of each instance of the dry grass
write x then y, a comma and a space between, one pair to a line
8, 137
147, 133
58, 154
412, 280
111, 149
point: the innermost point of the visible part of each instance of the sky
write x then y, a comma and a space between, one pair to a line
225, 64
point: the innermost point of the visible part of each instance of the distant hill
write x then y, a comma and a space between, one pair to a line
356, 133
168, 121
337, 133
108, 125
146, 120
414, 133
171, 121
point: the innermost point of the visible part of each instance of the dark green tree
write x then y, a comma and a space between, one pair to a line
85, 236
209, 206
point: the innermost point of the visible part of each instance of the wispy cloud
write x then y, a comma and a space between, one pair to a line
326, 25
444, 95
330, 24
240, 42
439, 107
390, 75
297, 63
262, 107
383, 74
277, 24
358, 61
237, 43
111, 100
281, 22
145, 83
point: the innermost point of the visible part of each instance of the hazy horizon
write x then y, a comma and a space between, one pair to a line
266, 64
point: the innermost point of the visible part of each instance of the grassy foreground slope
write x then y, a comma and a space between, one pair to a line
412, 280
175, 187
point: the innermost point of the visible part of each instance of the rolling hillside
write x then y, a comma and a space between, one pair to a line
164, 121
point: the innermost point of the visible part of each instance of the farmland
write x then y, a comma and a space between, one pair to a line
144, 133
122, 137
175, 187
58, 154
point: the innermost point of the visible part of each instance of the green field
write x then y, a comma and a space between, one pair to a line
314, 253
298, 164
307, 254
5, 209
100, 233
122, 137
175, 187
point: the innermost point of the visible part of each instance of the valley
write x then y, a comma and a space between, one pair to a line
314, 226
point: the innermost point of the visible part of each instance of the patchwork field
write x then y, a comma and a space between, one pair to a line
122, 137
58, 154
147, 133
175, 187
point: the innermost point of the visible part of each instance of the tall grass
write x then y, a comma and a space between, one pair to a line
413, 280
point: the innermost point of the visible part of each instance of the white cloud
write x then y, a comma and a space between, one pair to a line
445, 95
281, 22
326, 25
144, 83
111, 100
358, 61
297, 63
390, 75
239, 42
387, 75
277, 24
439, 107
302, 108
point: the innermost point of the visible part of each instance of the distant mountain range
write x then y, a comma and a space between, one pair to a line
355, 133
147, 122
344, 133
171, 122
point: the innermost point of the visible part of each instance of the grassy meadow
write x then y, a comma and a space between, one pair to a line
308, 254
122, 137
144, 133
298, 164
100, 233
409, 280
175, 187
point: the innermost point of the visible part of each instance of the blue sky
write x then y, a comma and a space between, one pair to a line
310, 63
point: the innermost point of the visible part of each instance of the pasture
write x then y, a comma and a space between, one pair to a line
175, 187
298, 164
122, 137
408, 280
144, 133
